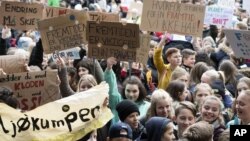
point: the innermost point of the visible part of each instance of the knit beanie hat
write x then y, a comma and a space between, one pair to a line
125, 108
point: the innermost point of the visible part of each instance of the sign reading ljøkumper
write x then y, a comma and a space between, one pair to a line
20, 15
159, 15
63, 32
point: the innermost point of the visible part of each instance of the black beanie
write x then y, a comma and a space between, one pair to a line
125, 108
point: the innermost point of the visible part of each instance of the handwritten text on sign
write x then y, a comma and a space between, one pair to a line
52, 12
101, 16
20, 15
240, 42
113, 34
63, 32
217, 15
32, 89
173, 17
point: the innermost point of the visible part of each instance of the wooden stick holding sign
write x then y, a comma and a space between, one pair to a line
19, 15
63, 32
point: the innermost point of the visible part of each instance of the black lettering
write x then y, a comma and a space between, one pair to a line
14, 129
93, 111
3, 128
23, 124
82, 115
34, 123
70, 118
46, 125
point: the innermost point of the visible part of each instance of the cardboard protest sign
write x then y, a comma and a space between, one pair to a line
20, 15
142, 52
67, 119
186, 19
52, 12
12, 63
220, 16
63, 32
72, 53
226, 3
113, 34
101, 16
240, 42
32, 89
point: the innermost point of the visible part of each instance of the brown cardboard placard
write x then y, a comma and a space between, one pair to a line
102, 16
52, 12
63, 32
20, 15
173, 17
142, 52
32, 89
113, 34
12, 63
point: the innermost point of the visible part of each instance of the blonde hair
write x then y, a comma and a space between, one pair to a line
158, 95
87, 77
212, 97
178, 72
202, 86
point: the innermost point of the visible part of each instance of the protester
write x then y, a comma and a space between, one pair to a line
120, 132
160, 129
185, 115
200, 131
161, 106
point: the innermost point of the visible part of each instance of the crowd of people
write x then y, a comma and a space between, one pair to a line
190, 91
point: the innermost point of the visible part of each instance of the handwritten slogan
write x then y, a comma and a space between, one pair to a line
12, 63
240, 42
52, 12
102, 16
217, 15
186, 19
107, 39
63, 32
66, 119
32, 89
72, 53
19, 15
226, 3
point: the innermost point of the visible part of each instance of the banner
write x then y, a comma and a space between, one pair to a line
142, 52
12, 63
240, 42
63, 32
220, 16
102, 16
20, 15
226, 3
67, 119
32, 89
186, 19
52, 12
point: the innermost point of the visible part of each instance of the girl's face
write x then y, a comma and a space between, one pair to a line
85, 85
200, 95
243, 106
210, 110
175, 59
242, 86
133, 120
184, 119
82, 71
168, 135
163, 108
132, 92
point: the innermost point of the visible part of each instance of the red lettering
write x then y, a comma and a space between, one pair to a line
30, 84
62, 12
220, 21
36, 101
24, 103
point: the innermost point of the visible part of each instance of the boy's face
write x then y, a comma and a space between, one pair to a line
189, 61
133, 120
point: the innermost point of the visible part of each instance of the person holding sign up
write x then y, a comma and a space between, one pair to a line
174, 58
